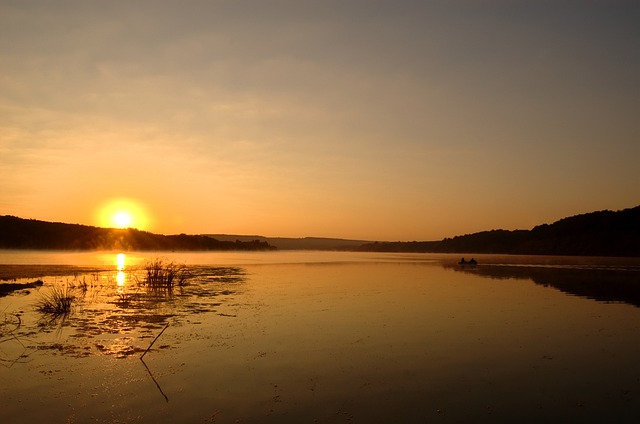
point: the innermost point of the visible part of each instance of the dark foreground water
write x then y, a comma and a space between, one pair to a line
306, 337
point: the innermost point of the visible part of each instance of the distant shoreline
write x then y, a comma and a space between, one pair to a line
602, 233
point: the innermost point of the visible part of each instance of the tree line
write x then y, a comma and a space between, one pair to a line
602, 233
19, 233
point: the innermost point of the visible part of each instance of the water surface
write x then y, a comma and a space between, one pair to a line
327, 337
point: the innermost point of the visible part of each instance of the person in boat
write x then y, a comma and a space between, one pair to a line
469, 262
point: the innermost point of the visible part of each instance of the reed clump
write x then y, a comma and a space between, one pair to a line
57, 301
163, 274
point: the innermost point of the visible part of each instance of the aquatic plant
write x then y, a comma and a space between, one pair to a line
163, 274
58, 301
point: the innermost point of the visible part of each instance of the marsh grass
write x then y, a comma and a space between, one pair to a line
83, 285
162, 274
58, 301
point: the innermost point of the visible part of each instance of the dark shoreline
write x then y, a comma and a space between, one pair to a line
15, 272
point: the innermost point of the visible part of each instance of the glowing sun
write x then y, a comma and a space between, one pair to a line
123, 213
122, 219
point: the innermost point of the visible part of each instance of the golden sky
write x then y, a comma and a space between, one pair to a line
368, 119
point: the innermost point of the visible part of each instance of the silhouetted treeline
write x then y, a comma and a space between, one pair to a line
603, 233
300, 243
399, 246
18, 233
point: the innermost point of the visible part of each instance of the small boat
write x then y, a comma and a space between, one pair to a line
469, 262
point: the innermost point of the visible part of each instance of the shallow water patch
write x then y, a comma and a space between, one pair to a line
106, 317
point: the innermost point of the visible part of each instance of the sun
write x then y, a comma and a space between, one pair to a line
123, 213
122, 219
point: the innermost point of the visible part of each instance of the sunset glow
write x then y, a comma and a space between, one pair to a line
123, 213
382, 120
122, 219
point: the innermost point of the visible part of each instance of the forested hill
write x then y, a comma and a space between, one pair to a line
18, 233
603, 233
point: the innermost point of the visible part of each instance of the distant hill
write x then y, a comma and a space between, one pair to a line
19, 233
305, 243
603, 233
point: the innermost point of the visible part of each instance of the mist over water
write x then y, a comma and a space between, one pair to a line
327, 337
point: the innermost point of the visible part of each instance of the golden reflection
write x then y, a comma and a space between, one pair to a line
120, 277
120, 259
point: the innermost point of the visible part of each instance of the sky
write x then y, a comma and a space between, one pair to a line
363, 119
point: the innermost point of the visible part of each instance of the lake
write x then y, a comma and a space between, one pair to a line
322, 337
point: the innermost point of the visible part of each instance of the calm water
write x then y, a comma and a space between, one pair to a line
325, 337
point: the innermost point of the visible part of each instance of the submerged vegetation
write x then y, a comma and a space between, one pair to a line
111, 312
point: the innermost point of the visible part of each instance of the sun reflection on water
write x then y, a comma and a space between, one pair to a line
120, 259
120, 277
